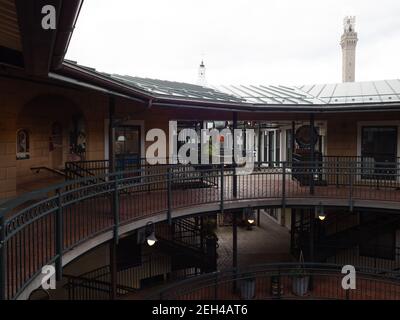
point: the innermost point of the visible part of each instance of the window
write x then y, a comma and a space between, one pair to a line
22, 144
378, 152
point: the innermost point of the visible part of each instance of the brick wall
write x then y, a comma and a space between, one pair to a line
35, 107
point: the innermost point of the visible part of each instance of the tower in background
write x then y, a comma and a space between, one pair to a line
201, 80
349, 42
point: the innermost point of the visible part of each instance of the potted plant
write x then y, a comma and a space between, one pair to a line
300, 278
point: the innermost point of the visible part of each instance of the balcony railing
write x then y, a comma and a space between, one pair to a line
283, 281
34, 233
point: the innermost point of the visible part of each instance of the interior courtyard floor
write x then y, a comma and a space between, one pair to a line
268, 243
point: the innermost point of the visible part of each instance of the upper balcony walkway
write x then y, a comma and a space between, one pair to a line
57, 224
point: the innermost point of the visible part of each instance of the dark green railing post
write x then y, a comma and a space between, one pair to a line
169, 195
3, 259
222, 188
115, 209
59, 236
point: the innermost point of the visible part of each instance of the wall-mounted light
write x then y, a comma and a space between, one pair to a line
121, 138
250, 215
320, 212
150, 234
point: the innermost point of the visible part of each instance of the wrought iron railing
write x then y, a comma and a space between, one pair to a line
34, 233
382, 259
283, 281
97, 284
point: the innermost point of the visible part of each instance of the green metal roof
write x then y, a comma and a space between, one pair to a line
324, 96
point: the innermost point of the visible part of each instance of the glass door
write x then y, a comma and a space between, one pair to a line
127, 148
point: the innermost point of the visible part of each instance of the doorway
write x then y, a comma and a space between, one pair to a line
127, 146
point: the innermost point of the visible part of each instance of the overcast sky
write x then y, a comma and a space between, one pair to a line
242, 42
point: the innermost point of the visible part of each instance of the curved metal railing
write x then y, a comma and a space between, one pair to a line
38, 228
283, 281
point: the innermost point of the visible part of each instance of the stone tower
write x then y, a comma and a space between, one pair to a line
201, 80
349, 42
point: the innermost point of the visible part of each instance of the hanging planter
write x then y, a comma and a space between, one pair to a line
300, 279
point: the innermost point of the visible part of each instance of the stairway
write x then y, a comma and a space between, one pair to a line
188, 247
